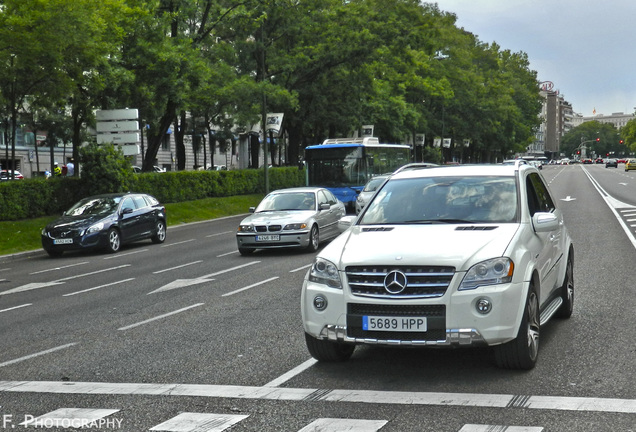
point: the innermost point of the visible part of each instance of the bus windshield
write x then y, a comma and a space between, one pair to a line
336, 167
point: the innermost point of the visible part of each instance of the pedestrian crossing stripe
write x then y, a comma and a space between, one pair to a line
199, 422
74, 418
349, 425
81, 418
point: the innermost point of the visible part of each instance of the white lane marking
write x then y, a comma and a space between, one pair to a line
300, 268
250, 286
30, 286
613, 204
182, 283
77, 418
491, 428
292, 373
48, 351
93, 273
558, 403
177, 243
58, 268
160, 317
16, 307
177, 267
218, 234
227, 253
97, 287
121, 255
198, 422
340, 424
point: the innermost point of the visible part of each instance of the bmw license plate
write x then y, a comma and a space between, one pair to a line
269, 237
63, 241
393, 323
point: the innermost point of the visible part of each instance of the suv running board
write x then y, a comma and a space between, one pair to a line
547, 313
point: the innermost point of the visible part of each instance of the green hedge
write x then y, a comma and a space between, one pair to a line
24, 199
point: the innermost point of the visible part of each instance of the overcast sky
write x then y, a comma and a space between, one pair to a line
587, 48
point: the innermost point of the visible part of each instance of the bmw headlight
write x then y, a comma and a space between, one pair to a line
296, 226
246, 228
325, 272
491, 272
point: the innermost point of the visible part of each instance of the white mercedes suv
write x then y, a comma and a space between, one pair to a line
448, 256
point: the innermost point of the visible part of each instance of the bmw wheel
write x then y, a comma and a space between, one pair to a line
160, 232
522, 352
328, 351
114, 240
314, 239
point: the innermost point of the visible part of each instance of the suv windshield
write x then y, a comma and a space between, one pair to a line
444, 200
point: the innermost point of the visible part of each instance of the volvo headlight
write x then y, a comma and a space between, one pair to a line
95, 228
246, 228
326, 273
491, 272
296, 226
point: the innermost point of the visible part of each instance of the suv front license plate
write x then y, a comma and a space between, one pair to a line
389, 323
271, 237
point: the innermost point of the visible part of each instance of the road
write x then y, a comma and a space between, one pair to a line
191, 336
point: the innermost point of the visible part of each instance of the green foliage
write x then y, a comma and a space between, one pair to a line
104, 169
587, 133
38, 197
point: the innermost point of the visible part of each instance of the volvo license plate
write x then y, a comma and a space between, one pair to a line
393, 323
63, 241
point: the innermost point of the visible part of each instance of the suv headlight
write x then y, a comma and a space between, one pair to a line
491, 272
326, 273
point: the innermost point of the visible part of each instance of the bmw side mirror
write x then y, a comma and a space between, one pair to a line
324, 206
252, 209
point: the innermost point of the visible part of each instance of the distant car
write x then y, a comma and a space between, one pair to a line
6, 175
217, 168
291, 218
106, 221
587, 161
599, 160
630, 165
611, 163
537, 164
369, 189
137, 169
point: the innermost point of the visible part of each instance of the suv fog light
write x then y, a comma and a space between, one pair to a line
320, 302
483, 306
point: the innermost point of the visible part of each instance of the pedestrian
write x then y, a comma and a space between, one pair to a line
57, 171
70, 167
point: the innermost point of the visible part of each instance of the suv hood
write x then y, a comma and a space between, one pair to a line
455, 245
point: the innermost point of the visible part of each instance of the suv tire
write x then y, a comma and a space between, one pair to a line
328, 351
521, 352
567, 290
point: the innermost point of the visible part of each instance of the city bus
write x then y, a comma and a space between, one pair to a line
343, 165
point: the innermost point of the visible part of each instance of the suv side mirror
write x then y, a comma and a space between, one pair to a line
545, 222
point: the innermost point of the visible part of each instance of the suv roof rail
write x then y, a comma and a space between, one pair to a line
365, 140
